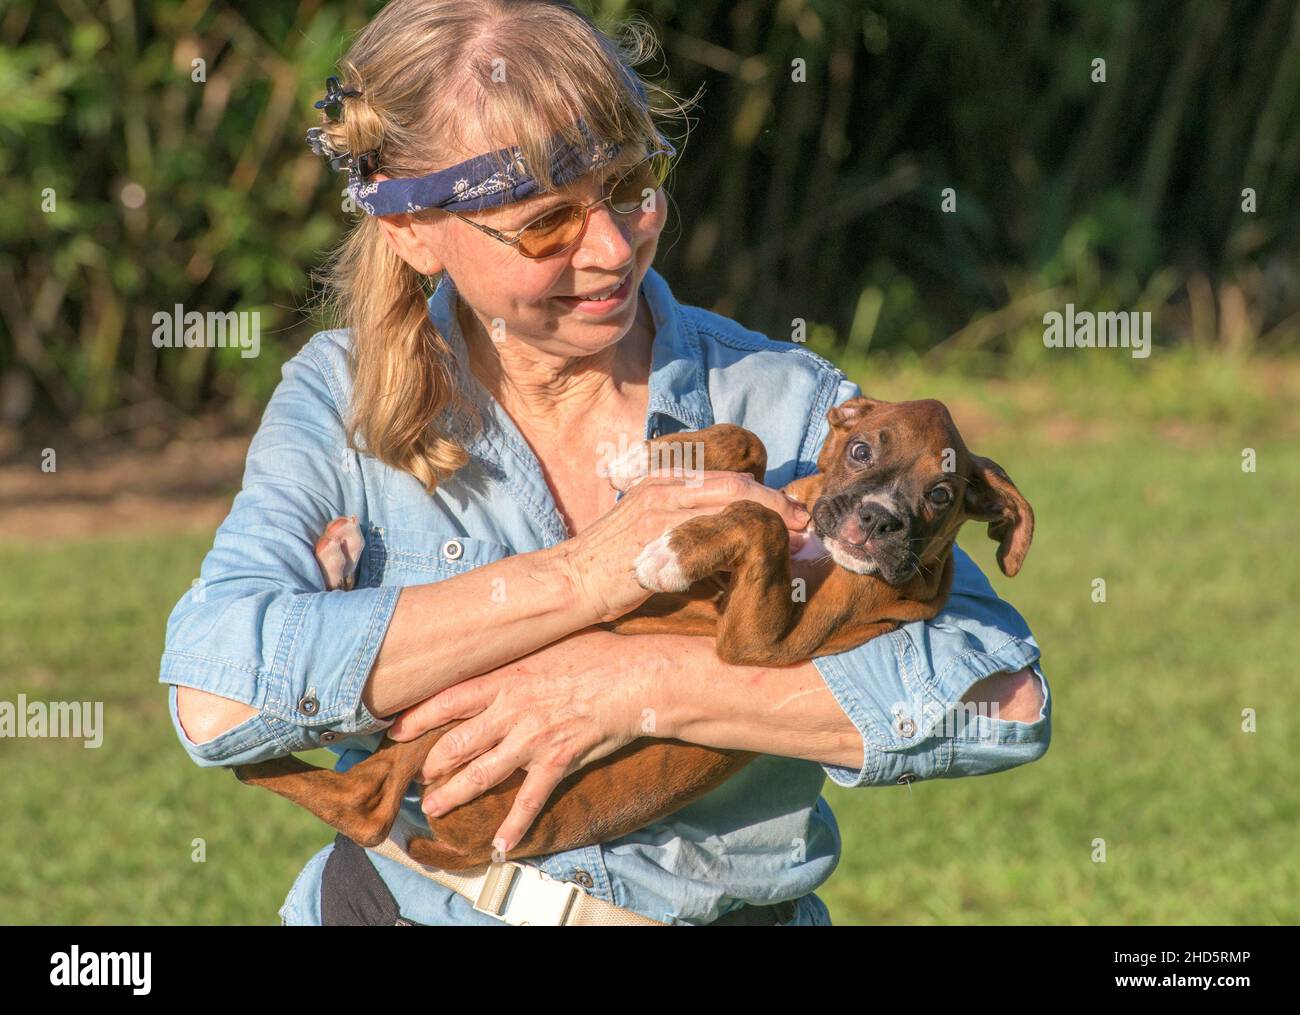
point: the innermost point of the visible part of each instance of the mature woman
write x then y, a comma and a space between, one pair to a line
507, 150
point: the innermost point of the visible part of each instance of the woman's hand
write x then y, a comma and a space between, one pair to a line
550, 713
601, 558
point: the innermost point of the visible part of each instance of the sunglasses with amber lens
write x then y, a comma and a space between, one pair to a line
560, 228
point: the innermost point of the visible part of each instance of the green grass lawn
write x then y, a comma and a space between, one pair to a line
1198, 817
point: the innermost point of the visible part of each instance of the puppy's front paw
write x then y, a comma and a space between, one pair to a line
658, 569
625, 469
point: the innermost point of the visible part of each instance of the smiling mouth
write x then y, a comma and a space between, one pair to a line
600, 302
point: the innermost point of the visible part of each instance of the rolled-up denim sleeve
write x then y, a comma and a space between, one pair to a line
903, 691
257, 625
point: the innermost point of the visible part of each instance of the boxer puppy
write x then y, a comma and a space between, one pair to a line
895, 483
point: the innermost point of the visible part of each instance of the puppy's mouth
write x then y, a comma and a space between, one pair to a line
890, 559
872, 559
857, 559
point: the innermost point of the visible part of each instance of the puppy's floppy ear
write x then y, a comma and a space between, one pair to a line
992, 497
849, 413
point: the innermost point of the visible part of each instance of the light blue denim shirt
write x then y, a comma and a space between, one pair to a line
257, 626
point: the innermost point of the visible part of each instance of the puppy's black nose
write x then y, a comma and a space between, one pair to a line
876, 521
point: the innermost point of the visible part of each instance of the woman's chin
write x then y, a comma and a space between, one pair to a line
589, 334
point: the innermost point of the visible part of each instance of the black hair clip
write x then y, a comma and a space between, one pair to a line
358, 167
319, 143
332, 104
361, 167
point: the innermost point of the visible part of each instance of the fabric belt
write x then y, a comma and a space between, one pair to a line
523, 895
352, 893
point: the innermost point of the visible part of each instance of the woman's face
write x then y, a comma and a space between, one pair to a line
516, 298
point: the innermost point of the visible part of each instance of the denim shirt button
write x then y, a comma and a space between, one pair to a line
309, 705
452, 549
329, 736
906, 778
583, 878
654, 434
906, 727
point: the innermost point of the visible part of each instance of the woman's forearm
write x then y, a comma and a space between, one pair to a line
787, 711
445, 631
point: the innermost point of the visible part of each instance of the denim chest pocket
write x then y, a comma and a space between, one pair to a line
410, 556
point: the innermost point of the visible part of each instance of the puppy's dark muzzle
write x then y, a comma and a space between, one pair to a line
867, 531
874, 522
829, 512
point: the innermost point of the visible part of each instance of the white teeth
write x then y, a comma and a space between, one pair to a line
603, 296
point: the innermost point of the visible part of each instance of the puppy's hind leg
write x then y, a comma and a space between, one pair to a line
362, 802
722, 447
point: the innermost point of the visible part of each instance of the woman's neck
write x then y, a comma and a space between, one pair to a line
546, 394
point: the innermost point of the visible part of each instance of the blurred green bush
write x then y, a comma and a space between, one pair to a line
153, 155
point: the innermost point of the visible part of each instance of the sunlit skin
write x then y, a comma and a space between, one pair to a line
550, 693
543, 339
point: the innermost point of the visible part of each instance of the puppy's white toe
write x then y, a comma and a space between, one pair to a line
657, 568
626, 468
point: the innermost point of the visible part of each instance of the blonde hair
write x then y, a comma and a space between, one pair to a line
423, 68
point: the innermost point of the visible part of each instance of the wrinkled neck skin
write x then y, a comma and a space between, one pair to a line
813, 562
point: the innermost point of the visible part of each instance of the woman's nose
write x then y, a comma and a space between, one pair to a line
607, 241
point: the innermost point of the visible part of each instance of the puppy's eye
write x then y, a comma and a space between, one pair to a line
859, 452
940, 496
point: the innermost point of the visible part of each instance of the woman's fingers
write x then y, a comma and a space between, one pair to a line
472, 781
600, 559
712, 491
459, 746
460, 701
537, 788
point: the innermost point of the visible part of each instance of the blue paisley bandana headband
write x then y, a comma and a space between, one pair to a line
484, 181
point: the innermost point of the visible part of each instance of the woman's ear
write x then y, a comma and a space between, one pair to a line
408, 237
992, 497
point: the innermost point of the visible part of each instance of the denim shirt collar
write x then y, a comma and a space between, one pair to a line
678, 382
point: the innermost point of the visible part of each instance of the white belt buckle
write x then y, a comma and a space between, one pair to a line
530, 896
